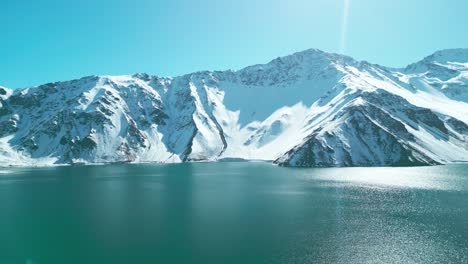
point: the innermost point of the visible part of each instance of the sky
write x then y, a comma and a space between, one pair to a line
43, 41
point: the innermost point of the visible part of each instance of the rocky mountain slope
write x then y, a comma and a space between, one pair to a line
311, 108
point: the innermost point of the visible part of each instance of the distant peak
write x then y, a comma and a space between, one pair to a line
4, 88
311, 51
316, 53
5, 92
144, 76
306, 57
449, 55
445, 56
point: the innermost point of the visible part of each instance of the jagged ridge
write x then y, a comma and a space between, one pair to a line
311, 108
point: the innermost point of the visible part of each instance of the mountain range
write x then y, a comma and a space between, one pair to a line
308, 109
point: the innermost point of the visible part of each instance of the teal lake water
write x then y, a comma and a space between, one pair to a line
233, 212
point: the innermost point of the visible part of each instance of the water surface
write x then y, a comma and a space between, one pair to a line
233, 212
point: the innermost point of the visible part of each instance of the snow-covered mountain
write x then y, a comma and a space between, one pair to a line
311, 108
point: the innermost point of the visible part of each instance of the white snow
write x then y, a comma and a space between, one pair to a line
256, 113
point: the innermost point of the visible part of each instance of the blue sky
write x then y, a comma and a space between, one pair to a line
50, 40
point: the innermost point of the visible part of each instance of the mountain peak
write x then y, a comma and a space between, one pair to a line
449, 55
5, 92
311, 54
310, 59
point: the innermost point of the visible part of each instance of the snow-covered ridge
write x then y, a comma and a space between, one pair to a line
311, 108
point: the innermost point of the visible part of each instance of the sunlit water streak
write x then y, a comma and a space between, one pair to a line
431, 178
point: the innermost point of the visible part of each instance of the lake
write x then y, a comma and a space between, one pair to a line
233, 212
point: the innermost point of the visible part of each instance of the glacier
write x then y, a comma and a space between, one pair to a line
308, 109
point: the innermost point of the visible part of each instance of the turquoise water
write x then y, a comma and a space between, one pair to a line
233, 212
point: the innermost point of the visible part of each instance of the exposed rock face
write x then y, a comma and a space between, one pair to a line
374, 129
308, 109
